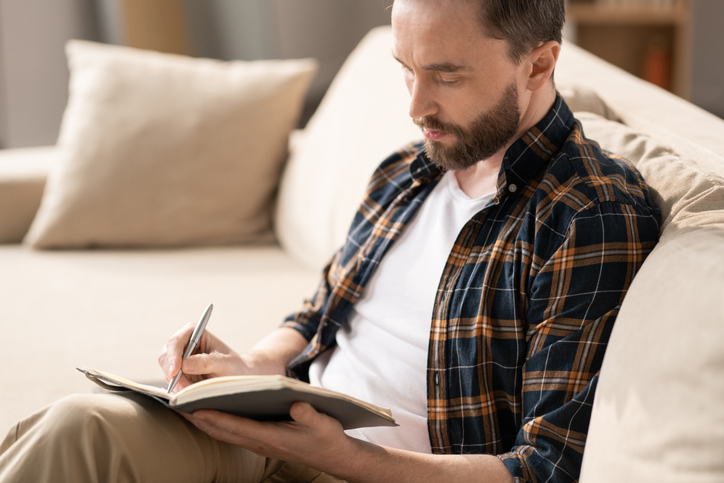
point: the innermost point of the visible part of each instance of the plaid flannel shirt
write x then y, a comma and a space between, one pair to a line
527, 299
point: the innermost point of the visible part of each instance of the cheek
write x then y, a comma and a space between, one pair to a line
465, 104
460, 108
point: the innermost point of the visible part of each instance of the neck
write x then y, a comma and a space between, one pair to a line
482, 178
540, 102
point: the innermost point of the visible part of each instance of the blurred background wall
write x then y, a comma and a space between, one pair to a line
34, 76
707, 76
33, 72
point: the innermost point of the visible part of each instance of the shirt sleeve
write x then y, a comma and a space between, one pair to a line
574, 298
307, 320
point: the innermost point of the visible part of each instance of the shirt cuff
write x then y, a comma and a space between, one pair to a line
517, 465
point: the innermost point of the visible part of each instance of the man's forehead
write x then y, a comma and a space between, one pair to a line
452, 12
448, 54
446, 40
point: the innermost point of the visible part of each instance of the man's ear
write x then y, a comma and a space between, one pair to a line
542, 61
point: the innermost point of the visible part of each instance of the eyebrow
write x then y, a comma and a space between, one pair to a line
447, 67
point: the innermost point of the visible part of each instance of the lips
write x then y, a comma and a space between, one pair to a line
434, 135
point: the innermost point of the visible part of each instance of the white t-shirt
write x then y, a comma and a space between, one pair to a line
381, 352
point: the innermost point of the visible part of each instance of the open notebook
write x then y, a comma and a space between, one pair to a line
263, 398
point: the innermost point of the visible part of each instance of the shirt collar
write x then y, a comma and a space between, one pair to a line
525, 157
532, 151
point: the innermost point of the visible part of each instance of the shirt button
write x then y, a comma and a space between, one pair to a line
512, 188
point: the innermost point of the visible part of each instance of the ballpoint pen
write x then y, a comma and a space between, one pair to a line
195, 337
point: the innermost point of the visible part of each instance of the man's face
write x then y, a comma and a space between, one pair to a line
489, 133
463, 85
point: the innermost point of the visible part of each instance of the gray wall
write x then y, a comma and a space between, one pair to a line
34, 76
255, 29
707, 77
33, 72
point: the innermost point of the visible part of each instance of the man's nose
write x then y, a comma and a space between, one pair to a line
422, 102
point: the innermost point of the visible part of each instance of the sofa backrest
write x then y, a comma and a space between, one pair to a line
361, 120
657, 414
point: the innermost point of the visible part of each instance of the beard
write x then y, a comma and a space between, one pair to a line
487, 134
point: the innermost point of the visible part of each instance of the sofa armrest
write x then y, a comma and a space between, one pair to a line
22, 179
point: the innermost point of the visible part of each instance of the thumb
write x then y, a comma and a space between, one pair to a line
304, 413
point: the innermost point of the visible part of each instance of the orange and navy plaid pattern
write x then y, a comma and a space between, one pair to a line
527, 299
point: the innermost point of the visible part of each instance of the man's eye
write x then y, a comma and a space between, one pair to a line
448, 82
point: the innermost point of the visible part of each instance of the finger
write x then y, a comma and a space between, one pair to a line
188, 417
199, 364
168, 366
305, 415
172, 351
225, 427
233, 425
215, 363
182, 383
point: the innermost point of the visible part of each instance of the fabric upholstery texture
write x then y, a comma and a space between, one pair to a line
114, 310
166, 150
362, 120
22, 180
657, 416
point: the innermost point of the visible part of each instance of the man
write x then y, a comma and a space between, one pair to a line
475, 295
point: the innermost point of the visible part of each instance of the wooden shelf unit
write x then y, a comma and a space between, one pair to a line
156, 25
653, 43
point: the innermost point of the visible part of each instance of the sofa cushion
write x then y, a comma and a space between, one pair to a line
164, 150
114, 310
22, 178
657, 415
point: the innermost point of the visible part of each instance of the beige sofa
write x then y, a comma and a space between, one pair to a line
658, 413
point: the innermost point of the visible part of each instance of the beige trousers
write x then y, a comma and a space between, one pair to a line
130, 438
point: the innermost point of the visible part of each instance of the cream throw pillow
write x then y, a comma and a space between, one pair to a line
166, 150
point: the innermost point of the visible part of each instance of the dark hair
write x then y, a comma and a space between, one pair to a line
524, 24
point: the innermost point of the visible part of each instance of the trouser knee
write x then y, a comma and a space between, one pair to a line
85, 418
80, 438
114, 438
